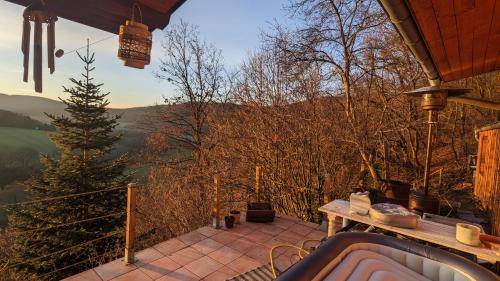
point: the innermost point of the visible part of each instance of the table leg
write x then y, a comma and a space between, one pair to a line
331, 225
345, 222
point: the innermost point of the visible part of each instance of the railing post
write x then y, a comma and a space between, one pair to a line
216, 209
327, 191
130, 228
258, 174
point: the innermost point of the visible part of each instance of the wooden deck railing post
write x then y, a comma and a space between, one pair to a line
130, 227
327, 198
216, 209
327, 190
258, 174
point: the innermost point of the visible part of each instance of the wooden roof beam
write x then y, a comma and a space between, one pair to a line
108, 15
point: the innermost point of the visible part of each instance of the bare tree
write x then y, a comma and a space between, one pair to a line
333, 34
176, 149
323, 99
195, 69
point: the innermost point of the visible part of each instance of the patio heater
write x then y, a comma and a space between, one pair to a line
434, 99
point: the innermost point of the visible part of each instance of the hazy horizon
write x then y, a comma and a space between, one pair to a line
57, 100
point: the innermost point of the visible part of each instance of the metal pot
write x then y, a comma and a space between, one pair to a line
229, 220
421, 203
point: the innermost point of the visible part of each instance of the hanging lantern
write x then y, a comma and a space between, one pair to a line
135, 42
39, 14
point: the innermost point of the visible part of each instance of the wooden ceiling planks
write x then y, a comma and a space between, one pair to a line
108, 15
465, 11
162, 6
482, 24
463, 36
493, 49
423, 11
449, 36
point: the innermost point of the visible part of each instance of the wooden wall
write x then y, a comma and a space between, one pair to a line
487, 185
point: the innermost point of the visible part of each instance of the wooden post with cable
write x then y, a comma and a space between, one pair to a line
130, 228
258, 174
327, 198
327, 189
216, 208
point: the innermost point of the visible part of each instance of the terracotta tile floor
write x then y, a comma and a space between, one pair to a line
210, 254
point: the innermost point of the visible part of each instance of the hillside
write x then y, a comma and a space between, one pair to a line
15, 120
31, 106
24, 133
14, 139
34, 107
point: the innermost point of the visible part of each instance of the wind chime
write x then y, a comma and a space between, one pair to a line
39, 14
135, 41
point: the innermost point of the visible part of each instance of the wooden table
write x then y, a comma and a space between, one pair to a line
433, 232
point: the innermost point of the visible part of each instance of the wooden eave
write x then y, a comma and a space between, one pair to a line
108, 15
462, 36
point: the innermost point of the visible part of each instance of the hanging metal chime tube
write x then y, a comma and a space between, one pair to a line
51, 45
38, 13
37, 55
25, 48
428, 158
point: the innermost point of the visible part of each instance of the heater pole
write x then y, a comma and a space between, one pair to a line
428, 157
258, 174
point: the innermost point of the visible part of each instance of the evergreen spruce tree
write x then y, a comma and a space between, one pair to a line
85, 139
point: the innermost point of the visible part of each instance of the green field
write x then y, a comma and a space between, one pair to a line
15, 138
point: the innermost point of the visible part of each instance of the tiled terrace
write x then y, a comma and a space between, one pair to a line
210, 254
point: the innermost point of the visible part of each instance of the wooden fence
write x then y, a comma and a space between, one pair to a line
487, 184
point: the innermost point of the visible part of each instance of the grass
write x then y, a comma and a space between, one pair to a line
15, 138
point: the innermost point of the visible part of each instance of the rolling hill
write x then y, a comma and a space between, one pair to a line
31, 106
24, 134
15, 120
35, 108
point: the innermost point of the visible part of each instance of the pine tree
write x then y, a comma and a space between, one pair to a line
85, 139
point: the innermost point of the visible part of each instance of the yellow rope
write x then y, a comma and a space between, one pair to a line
273, 270
305, 241
301, 252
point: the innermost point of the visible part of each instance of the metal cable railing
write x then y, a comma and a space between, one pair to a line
46, 275
70, 223
111, 234
59, 197
9, 264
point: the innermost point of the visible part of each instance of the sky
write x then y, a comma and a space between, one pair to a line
234, 26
